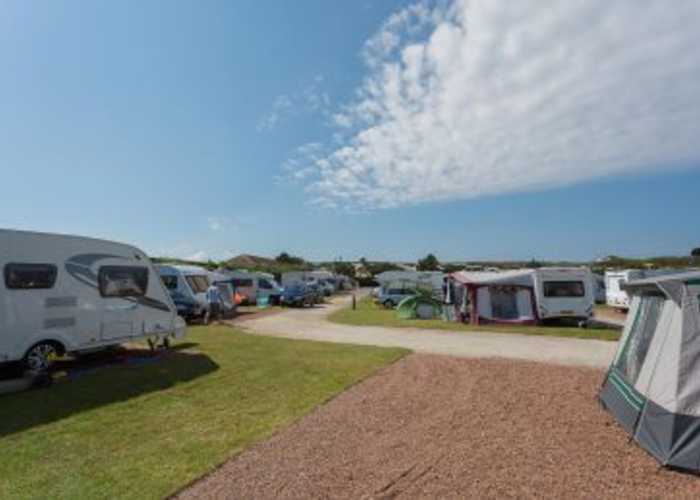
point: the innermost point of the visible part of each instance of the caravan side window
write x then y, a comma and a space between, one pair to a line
123, 281
30, 276
564, 289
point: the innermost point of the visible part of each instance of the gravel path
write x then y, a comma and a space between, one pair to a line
311, 324
611, 316
433, 426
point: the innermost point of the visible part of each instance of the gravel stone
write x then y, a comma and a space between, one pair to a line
440, 427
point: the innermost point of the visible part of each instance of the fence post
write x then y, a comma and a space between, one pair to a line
354, 302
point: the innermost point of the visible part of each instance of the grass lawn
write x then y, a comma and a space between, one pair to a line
147, 430
370, 314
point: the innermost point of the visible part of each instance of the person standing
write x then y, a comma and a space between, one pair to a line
213, 304
448, 296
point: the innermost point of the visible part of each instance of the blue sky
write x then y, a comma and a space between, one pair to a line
348, 129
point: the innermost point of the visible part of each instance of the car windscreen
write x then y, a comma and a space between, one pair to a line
169, 281
199, 284
242, 282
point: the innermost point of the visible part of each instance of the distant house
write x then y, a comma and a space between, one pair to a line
361, 271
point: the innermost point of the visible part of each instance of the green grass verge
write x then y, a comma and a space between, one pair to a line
145, 431
368, 313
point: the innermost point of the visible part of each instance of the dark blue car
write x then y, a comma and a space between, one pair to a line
186, 307
297, 295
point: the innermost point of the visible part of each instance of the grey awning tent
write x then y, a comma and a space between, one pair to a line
653, 385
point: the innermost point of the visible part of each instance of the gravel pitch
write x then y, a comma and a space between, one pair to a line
432, 426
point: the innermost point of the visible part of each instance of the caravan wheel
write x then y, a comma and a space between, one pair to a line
39, 358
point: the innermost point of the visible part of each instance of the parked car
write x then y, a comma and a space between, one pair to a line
327, 286
317, 291
187, 308
298, 295
390, 297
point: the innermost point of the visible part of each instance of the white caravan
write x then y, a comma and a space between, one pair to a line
251, 285
564, 293
190, 281
69, 294
615, 296
299, 277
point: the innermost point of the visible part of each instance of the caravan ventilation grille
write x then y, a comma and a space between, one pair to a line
61, 302
59, 323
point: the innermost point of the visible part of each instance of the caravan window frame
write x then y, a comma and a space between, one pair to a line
141, 280
48, 284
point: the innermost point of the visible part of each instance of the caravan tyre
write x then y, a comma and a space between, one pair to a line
39, 358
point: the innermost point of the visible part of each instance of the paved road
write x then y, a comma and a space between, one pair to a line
311, 324
611, 317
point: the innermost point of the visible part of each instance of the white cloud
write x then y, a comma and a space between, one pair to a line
281, 106
216, 223
481, 97
309, 99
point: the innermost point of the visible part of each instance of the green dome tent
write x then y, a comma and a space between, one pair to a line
419, 307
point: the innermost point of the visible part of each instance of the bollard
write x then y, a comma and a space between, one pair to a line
354, 302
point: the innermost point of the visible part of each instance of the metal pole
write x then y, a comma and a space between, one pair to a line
354, 302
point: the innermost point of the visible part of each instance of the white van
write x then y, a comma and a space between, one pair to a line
564, 293
69, 294
251, 285
190, 281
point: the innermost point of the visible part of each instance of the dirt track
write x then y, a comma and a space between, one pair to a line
433, 426
311, 324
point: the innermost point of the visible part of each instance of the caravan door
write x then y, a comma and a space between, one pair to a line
120, 288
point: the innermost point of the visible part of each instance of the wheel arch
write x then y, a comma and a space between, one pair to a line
60, 340
58, 344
